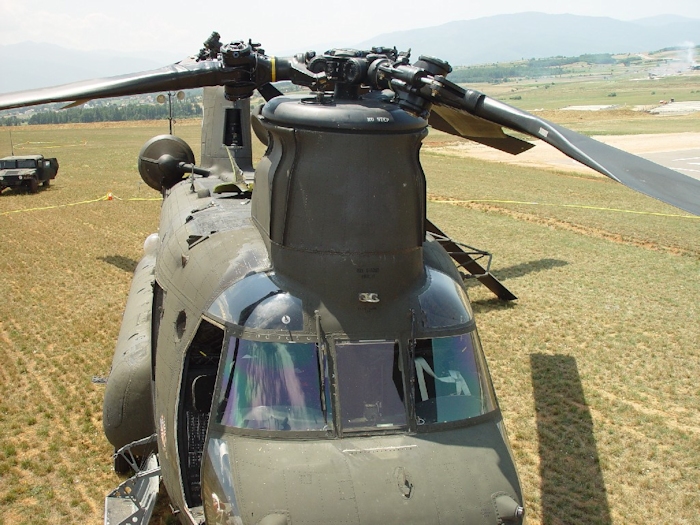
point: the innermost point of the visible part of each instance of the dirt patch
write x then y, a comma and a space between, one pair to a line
677, 108
545, 156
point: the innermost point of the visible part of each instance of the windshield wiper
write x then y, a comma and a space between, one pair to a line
322, 366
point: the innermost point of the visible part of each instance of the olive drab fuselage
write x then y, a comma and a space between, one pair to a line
322, 296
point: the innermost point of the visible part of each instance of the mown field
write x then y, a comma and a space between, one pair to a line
596, 364
619, 86
65, 271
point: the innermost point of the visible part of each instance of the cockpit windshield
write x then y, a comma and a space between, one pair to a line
285, 386
271, 386
451, 383
370, 385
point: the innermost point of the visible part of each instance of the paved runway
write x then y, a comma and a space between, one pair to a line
683, 161
677, 151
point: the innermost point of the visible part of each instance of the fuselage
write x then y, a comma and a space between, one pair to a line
315, 355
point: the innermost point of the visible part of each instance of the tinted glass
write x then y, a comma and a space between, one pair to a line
451, 383
270, 386
257, 302
370, 385
444, 303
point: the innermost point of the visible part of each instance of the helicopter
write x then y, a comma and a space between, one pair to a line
297, 345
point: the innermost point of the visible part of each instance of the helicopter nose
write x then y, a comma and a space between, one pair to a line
459, 476
274, 519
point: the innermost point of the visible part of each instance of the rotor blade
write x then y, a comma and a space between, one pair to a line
477, 129
182, 75
634, 172
269, 91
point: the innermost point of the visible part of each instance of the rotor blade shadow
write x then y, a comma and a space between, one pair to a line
572, 484
121, 262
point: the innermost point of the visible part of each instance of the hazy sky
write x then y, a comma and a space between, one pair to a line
181, 27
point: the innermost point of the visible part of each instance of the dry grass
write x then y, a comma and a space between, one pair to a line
595, 364
621, 89
594, 205
64, 276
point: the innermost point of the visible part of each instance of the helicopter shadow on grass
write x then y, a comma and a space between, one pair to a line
511, 272
572, 484
121, 262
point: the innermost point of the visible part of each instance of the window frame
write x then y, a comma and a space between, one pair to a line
337, 398
487, 395
327, 346
245, 335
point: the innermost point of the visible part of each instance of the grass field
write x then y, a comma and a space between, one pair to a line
65, 272
604, 85
595, 365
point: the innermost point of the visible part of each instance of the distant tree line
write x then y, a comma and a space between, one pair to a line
533, 68
11, 121
109, 113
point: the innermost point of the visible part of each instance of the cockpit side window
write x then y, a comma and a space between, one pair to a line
370, 385
271, 386
449, 382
